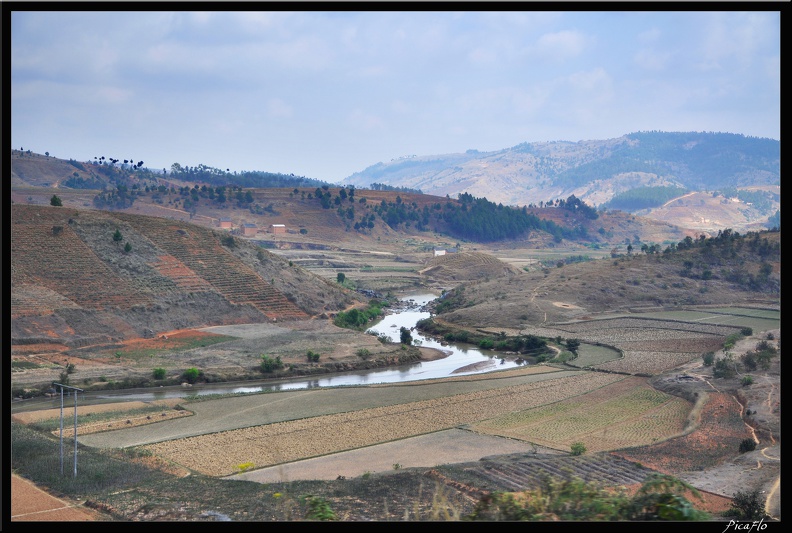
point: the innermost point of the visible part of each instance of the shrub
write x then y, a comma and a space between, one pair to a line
724, 368
747, 445
159, 373
319, 509
578, 448
363, 352
749, 360
313, 357
404, 336
269, 364
244, 467
356, 318
486, 344
382, 337
748, 505
661, 497
709, 358
191, 375
747, 380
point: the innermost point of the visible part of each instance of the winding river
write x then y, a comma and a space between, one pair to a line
462, 360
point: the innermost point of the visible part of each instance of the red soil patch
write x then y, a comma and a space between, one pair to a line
169, 340
715, 440
33, 349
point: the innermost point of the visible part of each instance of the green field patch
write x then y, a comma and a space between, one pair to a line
593, 355
387, 269
749, 311
757, 319
24, 365
179, 344
687, 316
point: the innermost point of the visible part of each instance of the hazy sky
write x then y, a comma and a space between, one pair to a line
326, 94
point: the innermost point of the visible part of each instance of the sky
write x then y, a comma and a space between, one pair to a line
325, 94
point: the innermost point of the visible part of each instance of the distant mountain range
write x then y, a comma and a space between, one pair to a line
697, 181
596, 171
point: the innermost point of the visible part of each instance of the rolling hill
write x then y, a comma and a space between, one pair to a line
362, 218
73, 283
725, 270
597, 171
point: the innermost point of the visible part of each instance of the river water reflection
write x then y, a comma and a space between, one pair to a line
456, 363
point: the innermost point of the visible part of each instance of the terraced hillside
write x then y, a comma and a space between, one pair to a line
72, 280
199, 250
465, 266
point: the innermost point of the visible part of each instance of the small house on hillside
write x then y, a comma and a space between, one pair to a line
249, 230
277, 228
225, 223
439, 252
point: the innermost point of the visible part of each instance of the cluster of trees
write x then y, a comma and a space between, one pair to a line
119, 198
270, 364
728, 367
480, 220
384, 187
529, 345
359, 318
760, 200
732, 254
252, 179
76, 181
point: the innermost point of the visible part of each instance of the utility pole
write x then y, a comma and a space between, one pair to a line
75, 390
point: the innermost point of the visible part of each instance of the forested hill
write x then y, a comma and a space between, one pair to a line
594, 171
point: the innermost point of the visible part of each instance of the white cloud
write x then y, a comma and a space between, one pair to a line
649, 36
651, 59
594, 82
362, 121
277, 108
737, 37
401, 107
363, 86
112, 95
482, 56
560, 46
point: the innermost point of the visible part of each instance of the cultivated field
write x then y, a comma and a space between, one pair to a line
604, 398
628, 412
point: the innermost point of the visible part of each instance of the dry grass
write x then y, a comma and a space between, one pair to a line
626, 413
220, 453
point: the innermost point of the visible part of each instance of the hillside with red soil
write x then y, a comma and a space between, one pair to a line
74, 284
